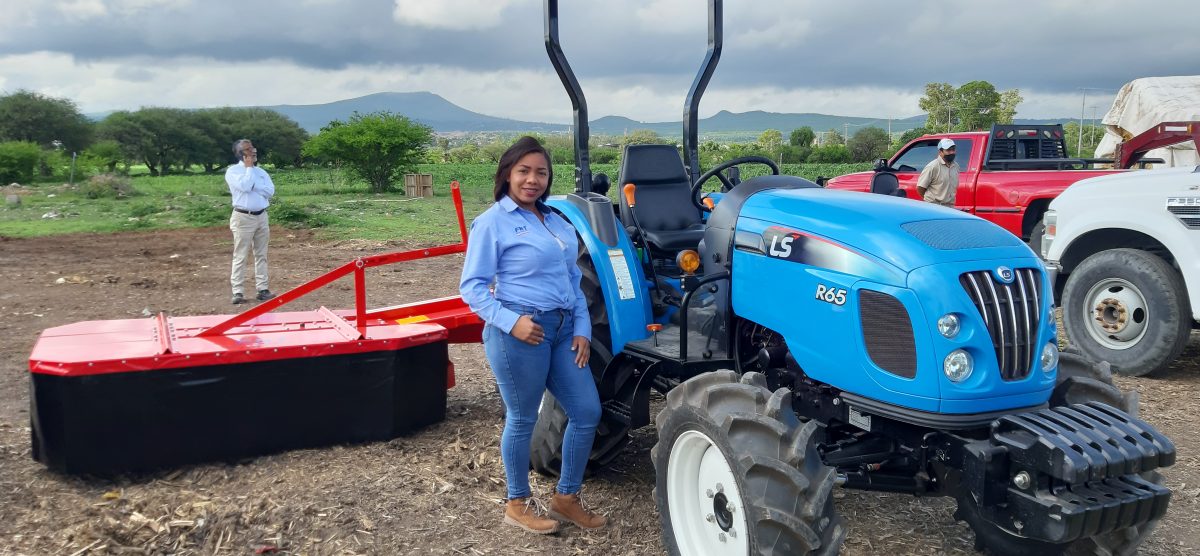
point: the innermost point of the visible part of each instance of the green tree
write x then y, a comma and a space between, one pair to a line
909, 136
1007, 110
802, 137
157, 137
976, 105
377, 147
830, 154
972, 107
795, 154
770, 140
19, 161
278, 138
641, 137
832, 137
1091, 137
105, 154
29, 116
869, 143
938, 103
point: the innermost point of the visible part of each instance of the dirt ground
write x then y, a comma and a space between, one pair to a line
436, 492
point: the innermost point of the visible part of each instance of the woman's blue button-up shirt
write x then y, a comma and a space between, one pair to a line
529, 263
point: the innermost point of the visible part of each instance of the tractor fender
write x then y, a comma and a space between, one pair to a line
622, 281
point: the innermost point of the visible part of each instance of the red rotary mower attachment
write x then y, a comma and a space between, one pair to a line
123, 395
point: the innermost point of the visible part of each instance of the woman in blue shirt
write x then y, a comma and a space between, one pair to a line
520, 277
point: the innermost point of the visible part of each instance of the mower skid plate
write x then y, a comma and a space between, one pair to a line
125, 395
1070, 472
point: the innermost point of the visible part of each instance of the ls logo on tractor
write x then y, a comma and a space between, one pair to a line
836, 296
1004, 274
781, 246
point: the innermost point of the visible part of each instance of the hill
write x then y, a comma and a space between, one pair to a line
446, 117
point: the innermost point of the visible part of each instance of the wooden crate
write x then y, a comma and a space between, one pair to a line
418, 185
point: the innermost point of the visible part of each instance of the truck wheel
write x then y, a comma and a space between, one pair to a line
1128, 307
612, 434
1079, 380
738, 473
1035, 237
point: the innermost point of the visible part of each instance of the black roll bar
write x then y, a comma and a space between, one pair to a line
583, 170
691, 142
691, 107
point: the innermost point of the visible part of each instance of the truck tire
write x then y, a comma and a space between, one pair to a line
1079, 380
1128, 307
738, 473
612, 434
1035, 237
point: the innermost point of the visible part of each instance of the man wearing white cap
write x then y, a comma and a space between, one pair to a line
939, 180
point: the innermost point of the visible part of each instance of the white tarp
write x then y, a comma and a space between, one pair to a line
1143, 103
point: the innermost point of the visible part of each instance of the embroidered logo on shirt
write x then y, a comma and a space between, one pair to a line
521, 230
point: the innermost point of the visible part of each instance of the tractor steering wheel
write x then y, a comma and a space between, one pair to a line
725, 185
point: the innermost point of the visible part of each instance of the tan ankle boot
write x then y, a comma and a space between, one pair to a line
568, 507
522, 513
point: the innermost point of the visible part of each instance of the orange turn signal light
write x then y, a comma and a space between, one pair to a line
688, 261
653, 327
629, 190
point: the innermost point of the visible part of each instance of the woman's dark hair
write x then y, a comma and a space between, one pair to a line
525, 145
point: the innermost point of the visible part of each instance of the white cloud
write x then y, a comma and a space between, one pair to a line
458, 15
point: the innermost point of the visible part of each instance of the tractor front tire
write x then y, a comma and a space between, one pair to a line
738, 473
1128, 307
1079, 380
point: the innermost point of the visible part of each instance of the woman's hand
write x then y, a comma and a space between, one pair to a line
528, 331
583, 350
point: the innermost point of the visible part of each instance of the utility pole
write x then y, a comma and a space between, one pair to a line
948, 118
845, 131
1082, 105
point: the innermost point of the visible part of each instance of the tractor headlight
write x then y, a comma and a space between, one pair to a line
948, 325
958, 365
1049, 356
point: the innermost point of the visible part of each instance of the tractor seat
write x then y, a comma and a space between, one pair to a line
886, 183
664, 198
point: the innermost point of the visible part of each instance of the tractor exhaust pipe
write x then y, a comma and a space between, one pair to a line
691, 152
583, 170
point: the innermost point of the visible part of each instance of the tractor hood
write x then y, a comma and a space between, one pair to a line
901, 233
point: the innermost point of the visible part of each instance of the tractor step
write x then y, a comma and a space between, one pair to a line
665, 345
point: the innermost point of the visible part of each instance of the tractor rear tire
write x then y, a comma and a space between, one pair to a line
612, 435
1035, 237
1128, 307
1079, 380
738, 473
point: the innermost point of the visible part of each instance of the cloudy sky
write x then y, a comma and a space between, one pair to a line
634, 58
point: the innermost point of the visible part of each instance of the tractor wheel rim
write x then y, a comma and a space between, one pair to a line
1116, 313
708, 517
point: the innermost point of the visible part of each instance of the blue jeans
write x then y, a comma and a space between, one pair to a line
523, 373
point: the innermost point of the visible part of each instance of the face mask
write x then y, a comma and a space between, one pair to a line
948, 157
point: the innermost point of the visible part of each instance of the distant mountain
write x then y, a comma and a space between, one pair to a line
427, 108
446, 117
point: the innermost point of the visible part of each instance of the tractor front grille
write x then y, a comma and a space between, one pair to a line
1011, 312
887, 333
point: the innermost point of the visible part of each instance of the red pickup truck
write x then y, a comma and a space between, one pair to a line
1008, 175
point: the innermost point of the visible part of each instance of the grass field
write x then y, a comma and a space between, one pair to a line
324, 199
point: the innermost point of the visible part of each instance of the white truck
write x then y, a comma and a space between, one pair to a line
1124, 256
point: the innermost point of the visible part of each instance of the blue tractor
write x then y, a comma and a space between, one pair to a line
806, 339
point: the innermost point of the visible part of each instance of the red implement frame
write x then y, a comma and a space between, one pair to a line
451, 313
1162, 135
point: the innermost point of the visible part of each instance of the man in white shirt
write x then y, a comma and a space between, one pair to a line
939, 179
252, 190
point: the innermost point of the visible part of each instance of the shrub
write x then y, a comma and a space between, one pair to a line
206, 214
109, 186
296, 216
144, 209
18, 161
